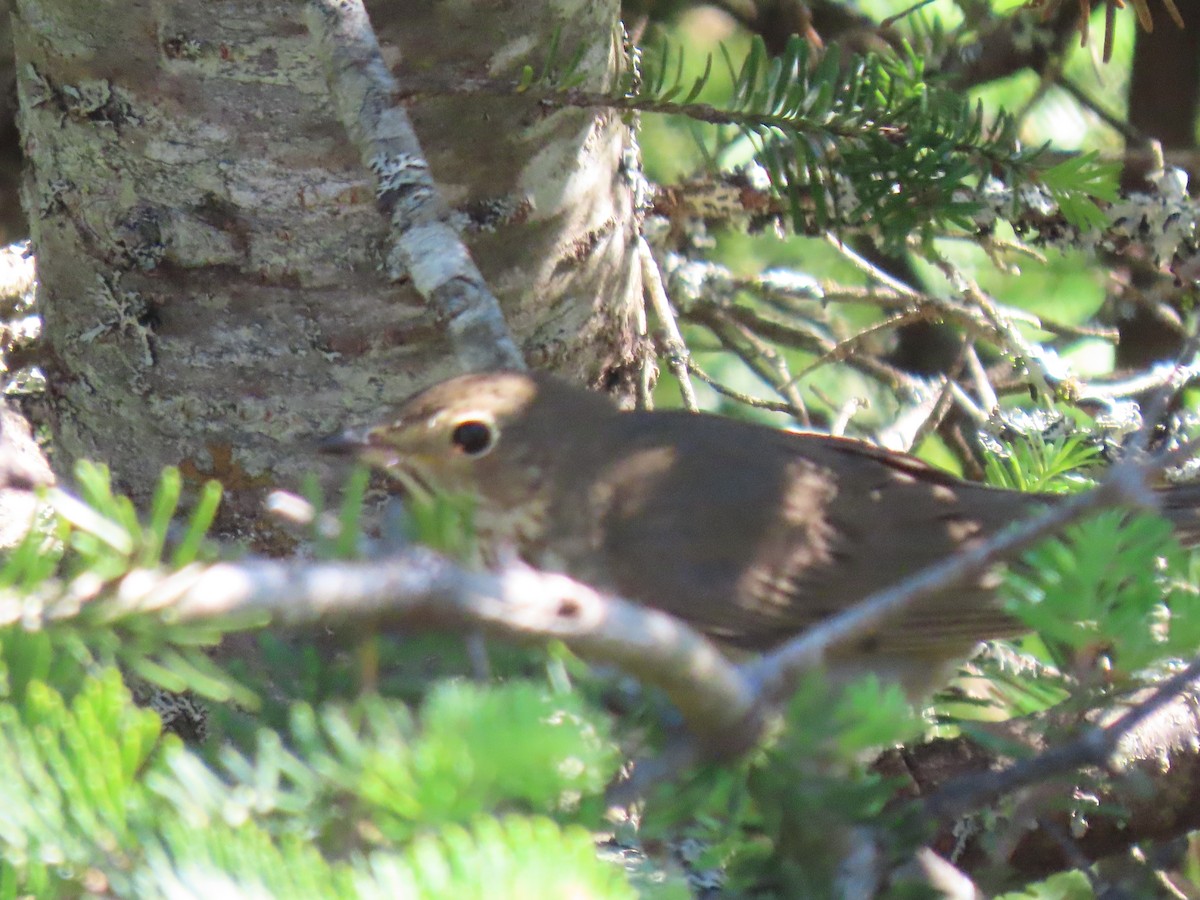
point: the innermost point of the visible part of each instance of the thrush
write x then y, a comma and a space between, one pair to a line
748, 533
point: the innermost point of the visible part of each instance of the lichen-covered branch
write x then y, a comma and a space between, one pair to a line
425, 246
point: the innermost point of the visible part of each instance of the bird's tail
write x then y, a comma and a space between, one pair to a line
1180, 503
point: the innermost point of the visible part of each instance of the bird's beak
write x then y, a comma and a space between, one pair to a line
350, 442
363, 445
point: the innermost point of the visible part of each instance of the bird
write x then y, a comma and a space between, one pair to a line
748, 533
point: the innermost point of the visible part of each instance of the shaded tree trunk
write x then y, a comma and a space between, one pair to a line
209, 250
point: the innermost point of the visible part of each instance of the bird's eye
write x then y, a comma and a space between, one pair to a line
473, 437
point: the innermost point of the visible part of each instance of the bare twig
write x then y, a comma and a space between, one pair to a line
1148, 379
1098, 746
968, 406
844, 349
941, 406
677, 351
1041, 365
1127, 130
764, 359
990, 320
954, 311
940, 875
747, 321
647, 370
844, 414
916, 419
749, 348
754, 402
886, 279
710, 295
1156, 404
983, 386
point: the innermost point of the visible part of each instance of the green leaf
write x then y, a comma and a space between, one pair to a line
198, 525
513, 858
1077, 182
162, 511
1099, 589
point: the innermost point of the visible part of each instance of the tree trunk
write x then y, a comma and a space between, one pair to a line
208, 246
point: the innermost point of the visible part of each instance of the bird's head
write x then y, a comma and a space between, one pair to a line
493, 434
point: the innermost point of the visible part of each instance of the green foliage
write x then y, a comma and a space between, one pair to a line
71, 793
1074, 183
774, 824
371, 776
482, 791
1113, 585
469, 797
357, 800
477, 792
850, 143
1064, 886
509, 859
99, 534
443, 521
1016, 687
349, 533
374, 764
478, 750
564, 74
106, 535
27, 658
1037, 465
512, 857
222, 859
57, 578
866, 141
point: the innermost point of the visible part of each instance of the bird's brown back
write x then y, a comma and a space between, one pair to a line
755, 534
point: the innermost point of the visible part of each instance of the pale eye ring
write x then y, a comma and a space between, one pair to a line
473, 437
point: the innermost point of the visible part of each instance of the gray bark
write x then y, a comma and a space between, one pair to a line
13, 226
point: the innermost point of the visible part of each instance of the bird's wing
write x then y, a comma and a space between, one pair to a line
754, 536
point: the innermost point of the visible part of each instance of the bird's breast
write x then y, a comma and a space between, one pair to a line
517, 527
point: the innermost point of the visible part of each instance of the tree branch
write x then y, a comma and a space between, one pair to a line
425, 246
419, 588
